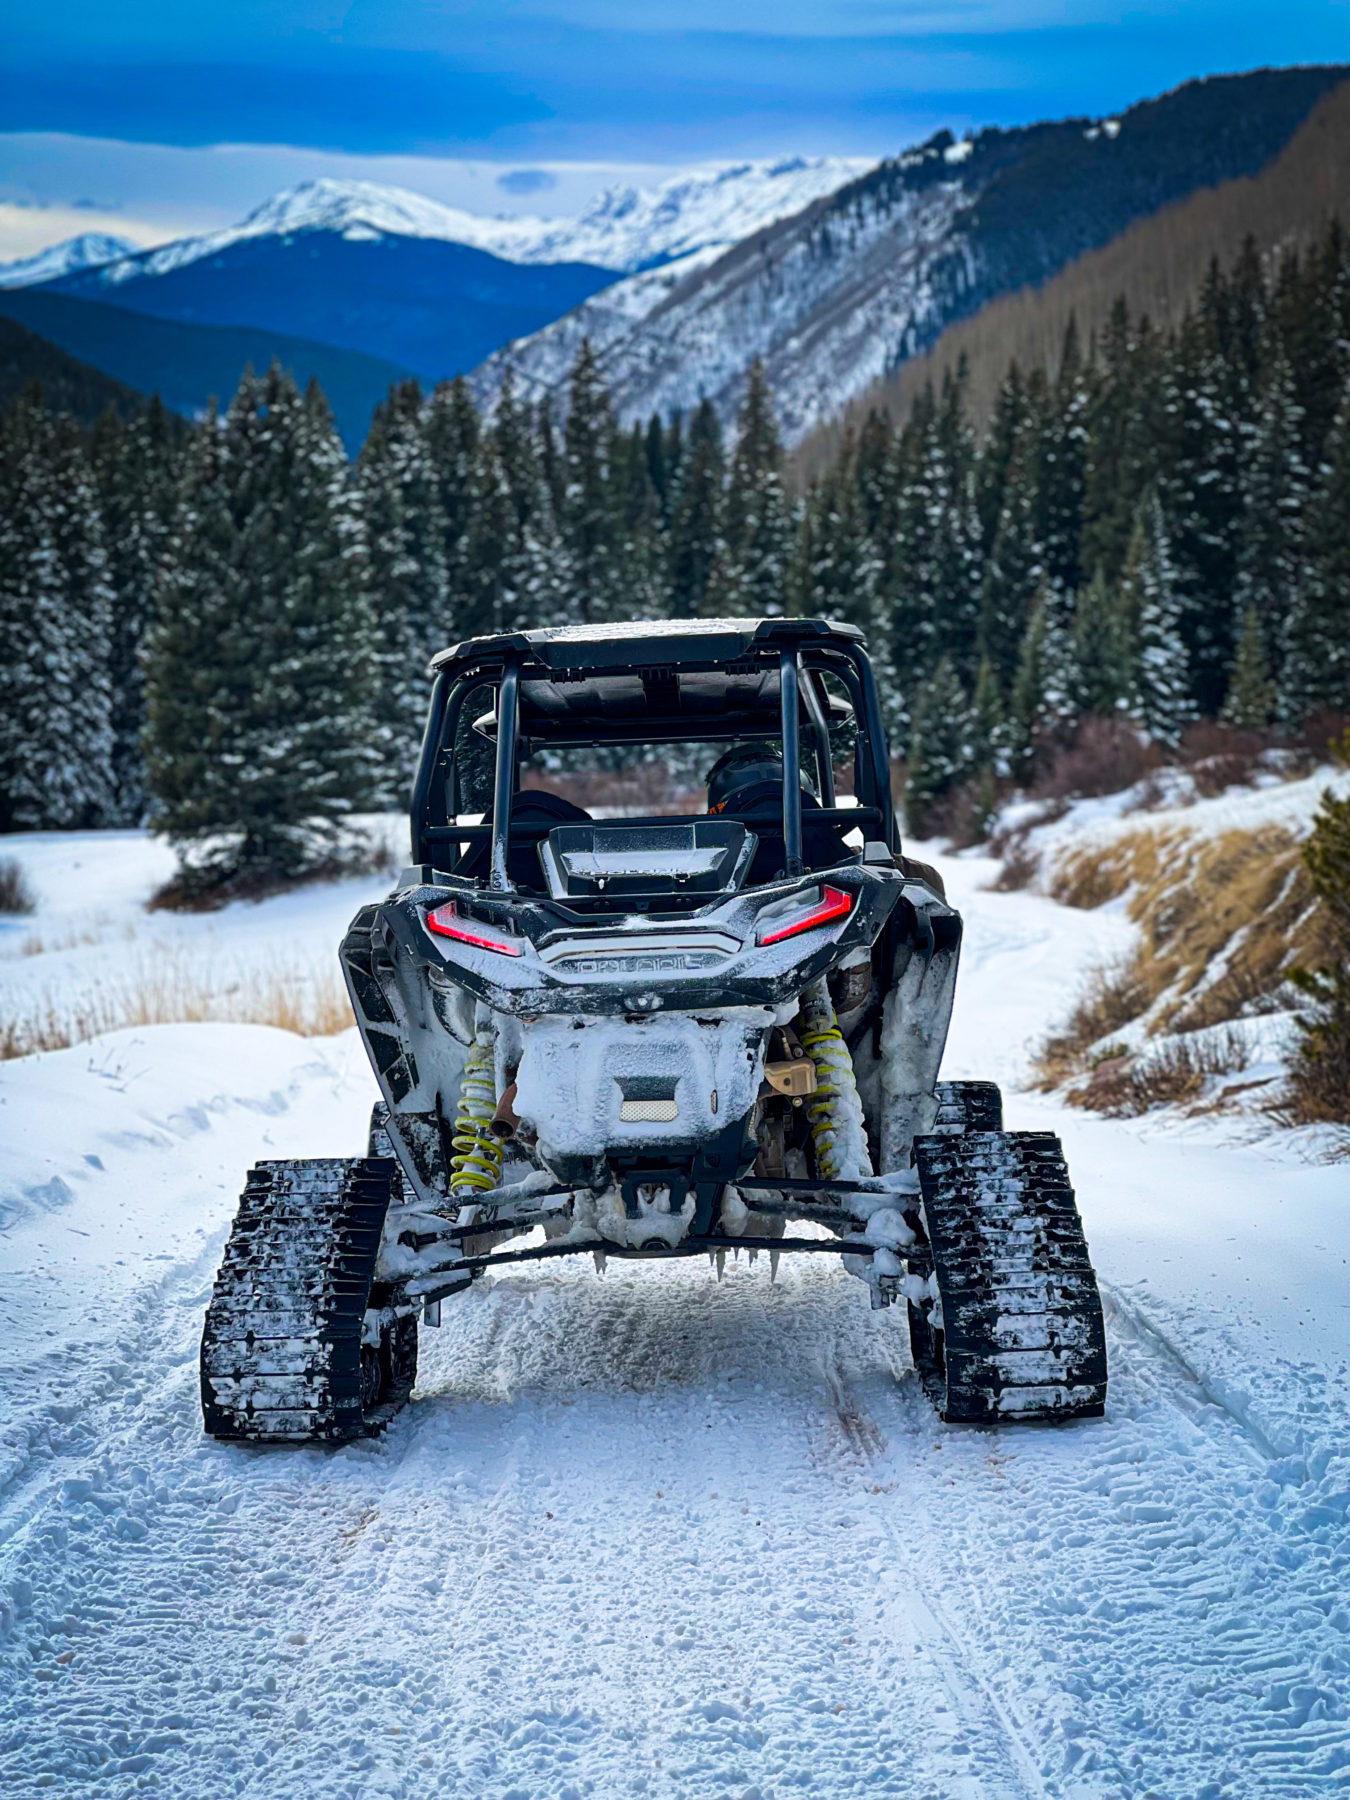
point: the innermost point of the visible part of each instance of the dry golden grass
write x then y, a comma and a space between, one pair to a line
1221, 920
173, 991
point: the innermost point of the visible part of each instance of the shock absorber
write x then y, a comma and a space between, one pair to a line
834, 1110
477, 1162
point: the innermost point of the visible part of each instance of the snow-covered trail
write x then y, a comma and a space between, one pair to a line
644, 1534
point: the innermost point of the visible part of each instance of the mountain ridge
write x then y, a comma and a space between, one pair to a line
187, 365
846, 291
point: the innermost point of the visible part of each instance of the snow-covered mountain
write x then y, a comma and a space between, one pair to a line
88, 251
396, 275
623, 228
866, 276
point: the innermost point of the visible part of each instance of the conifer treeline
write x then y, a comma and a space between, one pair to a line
230, 633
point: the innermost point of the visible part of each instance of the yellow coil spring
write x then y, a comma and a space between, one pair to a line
835, 1103
477, 1162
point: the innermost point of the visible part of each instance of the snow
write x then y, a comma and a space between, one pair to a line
1095, 823
84, 252
645, 1534
623, 228
825, 324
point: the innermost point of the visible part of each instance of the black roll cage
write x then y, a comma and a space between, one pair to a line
799, 663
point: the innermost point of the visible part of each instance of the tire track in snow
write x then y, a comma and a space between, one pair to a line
974, 1697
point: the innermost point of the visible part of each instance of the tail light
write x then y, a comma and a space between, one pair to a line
445, 921
803, 912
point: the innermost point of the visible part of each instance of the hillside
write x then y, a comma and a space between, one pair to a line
397, 275
68, 385
1158, 264
837, 297
189, 364
433, 307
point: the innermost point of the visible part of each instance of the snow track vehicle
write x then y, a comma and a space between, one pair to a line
664, 1036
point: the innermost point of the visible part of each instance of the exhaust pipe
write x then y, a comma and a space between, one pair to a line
505, 1124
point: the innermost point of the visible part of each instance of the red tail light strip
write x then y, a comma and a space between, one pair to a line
446, 922
834, 903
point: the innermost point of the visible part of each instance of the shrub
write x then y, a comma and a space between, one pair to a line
1172, 1073
1114, 997
1106, 756
16, 893
1319, 1086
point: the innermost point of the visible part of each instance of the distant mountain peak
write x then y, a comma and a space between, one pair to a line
88, 251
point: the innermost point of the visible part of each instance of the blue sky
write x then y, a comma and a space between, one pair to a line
541, 84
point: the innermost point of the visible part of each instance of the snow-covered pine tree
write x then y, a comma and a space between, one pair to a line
134, 464
1250, 702
1315, 671
260, 678
1201, 495
399, 493
839, 572
451, 427
941, 747
1041, 706
1310, 315
588, 520
752, 574
695, 537
1160, 685
1275, 492
1099, 650
641, 551
957, 559
1006, 431
1124, 433
1014, 569
1060, 458
55, 605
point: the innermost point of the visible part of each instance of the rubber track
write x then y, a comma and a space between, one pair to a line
1023, 1337
281, 1350
968, 1106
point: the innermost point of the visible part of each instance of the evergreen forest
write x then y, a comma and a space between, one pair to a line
224, 631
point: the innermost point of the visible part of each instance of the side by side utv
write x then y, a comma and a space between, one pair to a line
656, 1037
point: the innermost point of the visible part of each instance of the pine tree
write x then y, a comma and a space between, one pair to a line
260, 667
1250, 701
1007, 430
1201, 495
399, 490
55, 613
1124, 423
695, 537
1160, 687
1099, 650
989, 727
134, 464
588, 519
1060, 457
753, 572
451, 428
1041, 707
1013, 572
1275, 492
1315, 672
839, 569
940, 755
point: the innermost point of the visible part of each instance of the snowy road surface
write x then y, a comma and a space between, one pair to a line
645, 1535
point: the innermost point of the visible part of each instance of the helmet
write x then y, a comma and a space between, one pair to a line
743, 767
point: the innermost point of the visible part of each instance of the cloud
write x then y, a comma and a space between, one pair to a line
526, 181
